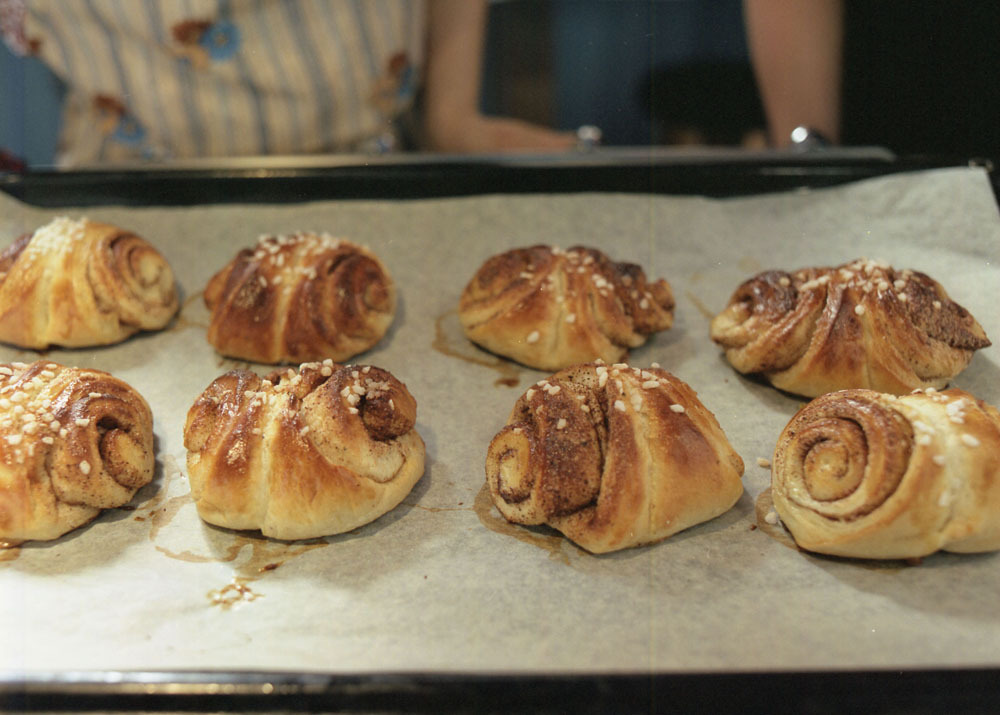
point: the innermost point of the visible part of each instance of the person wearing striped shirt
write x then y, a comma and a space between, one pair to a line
174, 79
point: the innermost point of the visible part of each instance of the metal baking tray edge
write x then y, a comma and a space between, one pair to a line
295, 179
912, 691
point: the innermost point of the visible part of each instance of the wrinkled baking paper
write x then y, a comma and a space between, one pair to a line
442, 583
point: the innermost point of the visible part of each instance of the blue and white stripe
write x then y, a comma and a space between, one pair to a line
301, 80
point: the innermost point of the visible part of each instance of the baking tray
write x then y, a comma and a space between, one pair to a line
717, 173
735, 689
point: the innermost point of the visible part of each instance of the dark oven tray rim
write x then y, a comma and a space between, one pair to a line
715, 174
872, 691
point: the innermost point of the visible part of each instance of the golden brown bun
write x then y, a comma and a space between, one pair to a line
82, 283
73, 441
870, 475
300, 298
613, 457
549, 309
860, 325
302, 454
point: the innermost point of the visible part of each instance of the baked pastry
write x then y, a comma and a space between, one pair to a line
866, 474
302, 454
299, 298
79, 283
613, 457
549, 308
860, 325
73, 441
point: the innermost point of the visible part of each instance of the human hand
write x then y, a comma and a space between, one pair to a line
484, 134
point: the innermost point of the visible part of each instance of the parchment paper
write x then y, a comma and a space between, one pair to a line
442, 583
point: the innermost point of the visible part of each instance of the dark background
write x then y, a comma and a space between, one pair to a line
920, 76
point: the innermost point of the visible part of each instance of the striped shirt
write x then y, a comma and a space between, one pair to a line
152, 79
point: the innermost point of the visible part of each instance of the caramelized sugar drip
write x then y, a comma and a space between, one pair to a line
491, 519
183, 319
233, 593
251, 554
449, 340
9, 552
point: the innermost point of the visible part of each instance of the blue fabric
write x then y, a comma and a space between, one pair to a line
26, 82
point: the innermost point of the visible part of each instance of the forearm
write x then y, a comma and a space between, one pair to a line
456, 32
452, 118
797, 52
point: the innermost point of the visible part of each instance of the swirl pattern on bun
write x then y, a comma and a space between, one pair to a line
79, 283
871, 475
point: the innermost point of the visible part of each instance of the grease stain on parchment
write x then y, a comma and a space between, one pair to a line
702, 308
436, 509
492, 520
449, 340
182, 321
252, 554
